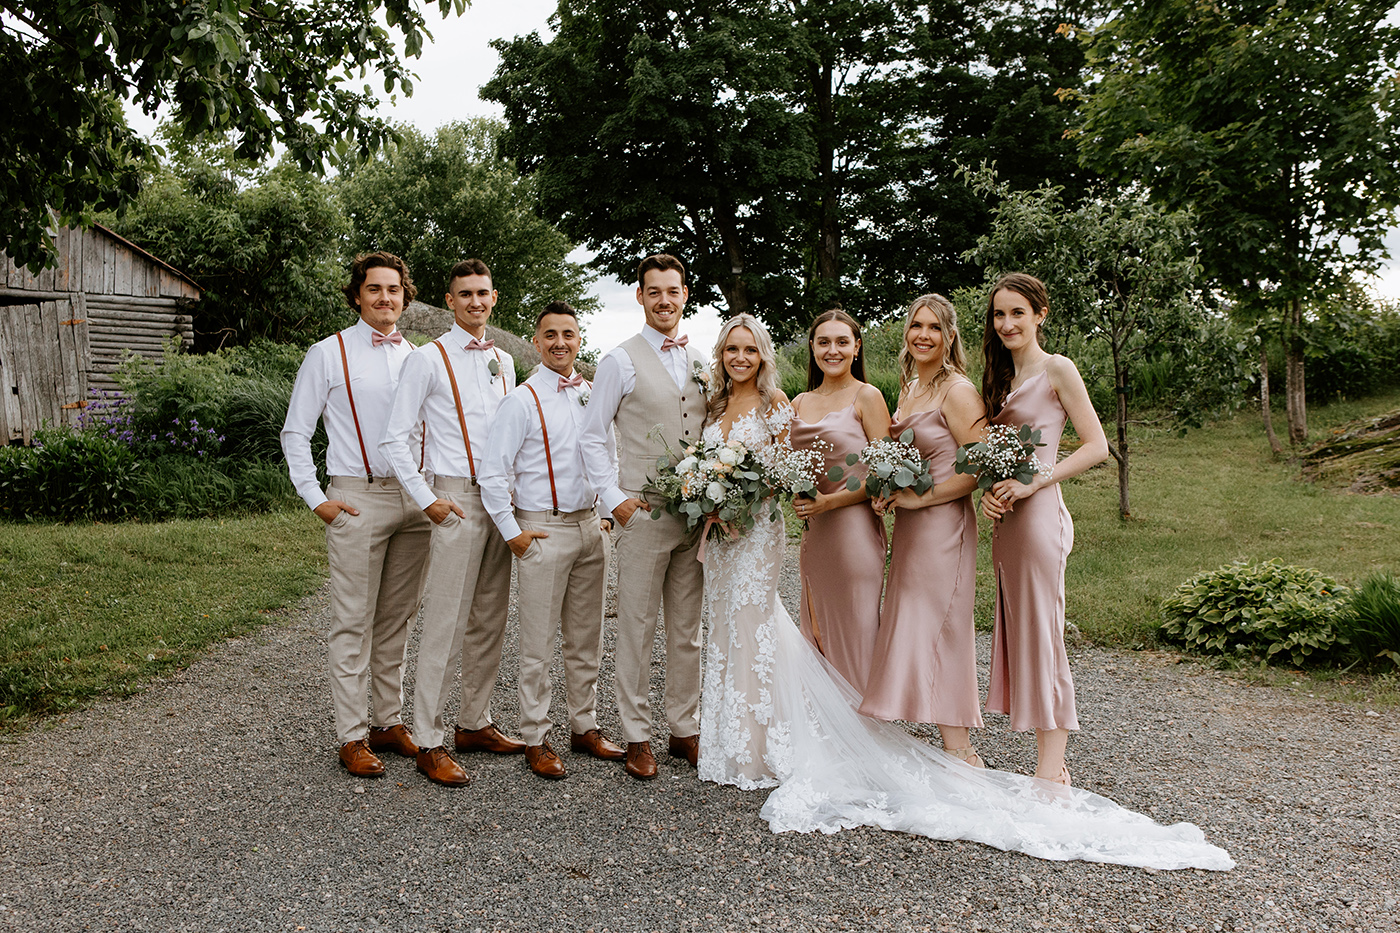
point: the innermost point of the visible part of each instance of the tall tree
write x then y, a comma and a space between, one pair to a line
663, 125
783, 146
264, 242
268, 71
438, 199
1277, 121
1119, 268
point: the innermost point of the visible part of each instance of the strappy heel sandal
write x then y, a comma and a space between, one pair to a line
968, 756
1061, 778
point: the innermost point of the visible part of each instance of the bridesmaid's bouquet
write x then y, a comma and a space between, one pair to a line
891, 465
1003, 453
792, 472
719, 484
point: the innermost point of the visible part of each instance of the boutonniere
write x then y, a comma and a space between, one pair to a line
701, 374
583, 394
494, 368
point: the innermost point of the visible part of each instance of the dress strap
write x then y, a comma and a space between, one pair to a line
461, 417
548, 459
349, 394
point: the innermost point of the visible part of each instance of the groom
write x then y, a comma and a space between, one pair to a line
651, 382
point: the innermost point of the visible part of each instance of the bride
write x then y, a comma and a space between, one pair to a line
775, 714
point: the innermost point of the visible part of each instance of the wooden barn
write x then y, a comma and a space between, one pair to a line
64, 332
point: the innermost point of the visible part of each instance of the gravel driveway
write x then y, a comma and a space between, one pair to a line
213, 801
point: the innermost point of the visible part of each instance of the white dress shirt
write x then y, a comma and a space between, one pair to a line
515, 451
319, 393
425, 395
615, 379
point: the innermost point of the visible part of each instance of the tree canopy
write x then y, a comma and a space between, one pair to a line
1276, 121
435, 200
264, 71
263, 242
783, 149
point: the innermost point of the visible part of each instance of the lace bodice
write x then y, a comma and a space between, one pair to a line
751, 430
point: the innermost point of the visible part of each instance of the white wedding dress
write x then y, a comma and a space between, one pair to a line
774, 713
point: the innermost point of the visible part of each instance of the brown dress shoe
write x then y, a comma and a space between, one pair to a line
641, 763
543, 761
396, 739
596, 744
687, 747
487, 739
438, 767
356, 758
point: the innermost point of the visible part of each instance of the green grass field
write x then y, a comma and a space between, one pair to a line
98, 610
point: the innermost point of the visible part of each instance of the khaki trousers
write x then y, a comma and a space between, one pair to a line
656, 560
377, 562
562, 580
464, 615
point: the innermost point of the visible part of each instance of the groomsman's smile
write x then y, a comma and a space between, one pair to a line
471, 299
662, 297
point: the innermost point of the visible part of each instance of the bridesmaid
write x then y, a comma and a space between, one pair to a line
925, 664
1032, 531
842, 560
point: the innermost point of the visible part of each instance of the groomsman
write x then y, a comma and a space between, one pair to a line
651, 381
454, 385
376, 536
556, 534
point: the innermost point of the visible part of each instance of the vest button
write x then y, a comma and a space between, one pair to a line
685, 414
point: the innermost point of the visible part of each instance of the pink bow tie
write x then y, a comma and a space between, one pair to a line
668, 343
573, 382
475, 344
376, 338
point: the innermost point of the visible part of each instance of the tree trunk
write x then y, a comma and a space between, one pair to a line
1297, 398
1274, 444
828, 232
1120, 379
734, 288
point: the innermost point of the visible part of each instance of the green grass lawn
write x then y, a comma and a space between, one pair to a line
98, 610
1203, 500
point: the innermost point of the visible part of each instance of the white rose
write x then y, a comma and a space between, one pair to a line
714, 492
728, 455
686, 465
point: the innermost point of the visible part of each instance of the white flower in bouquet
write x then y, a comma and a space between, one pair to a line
730, 455
1005, 452
891, 465
794, 472
687, 465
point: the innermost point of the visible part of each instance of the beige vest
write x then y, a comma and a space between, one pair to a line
655, 400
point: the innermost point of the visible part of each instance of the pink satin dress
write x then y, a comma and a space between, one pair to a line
1030, 678
925, 664
842, 560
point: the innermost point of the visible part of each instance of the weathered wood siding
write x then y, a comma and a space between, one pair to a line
64, 331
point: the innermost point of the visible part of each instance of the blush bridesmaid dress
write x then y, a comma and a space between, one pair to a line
1030, 677
925, 663
842, 560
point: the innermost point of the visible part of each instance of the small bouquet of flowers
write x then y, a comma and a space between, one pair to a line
791, 472
720, 484
891, 465
1003, 453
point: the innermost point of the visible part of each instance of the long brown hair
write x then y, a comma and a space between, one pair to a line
814, 372
998, 367
954, 356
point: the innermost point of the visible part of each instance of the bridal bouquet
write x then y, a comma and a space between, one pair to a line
1003, 453
715, 483
891, 465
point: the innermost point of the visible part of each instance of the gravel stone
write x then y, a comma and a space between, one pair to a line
214, 801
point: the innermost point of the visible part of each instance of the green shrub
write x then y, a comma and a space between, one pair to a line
1267, 609
67, 475
1371, 622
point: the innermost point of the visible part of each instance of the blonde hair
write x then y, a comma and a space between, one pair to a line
954, 356
766, 378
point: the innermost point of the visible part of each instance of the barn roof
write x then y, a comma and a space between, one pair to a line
107, 231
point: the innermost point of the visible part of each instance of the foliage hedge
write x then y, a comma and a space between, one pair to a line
1271, 611
192, 436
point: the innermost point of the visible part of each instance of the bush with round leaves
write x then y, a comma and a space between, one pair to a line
1270, 610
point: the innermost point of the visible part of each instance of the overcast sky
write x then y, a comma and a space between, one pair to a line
450, 74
